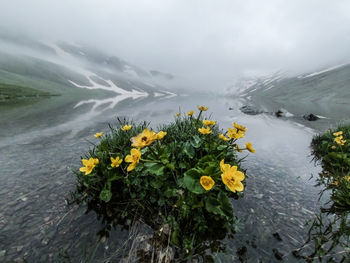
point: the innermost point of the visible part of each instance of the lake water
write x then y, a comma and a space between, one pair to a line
38, 152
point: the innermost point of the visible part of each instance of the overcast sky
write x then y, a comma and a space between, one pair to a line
206, 42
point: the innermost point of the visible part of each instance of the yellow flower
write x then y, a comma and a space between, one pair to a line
233, 179
339, 140
208, 122
160, 135
178, 114
204, 130
239, 127
207, 182
235, 134
133, 158
190, 113
202, 108
115, 162
337, 133
333, 147
249, 147
347, 178
126, 127
223, 137
89, 165
143, 139
98, 135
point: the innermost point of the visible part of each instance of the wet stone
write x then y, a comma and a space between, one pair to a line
2, 254
19, 248
52, 197
277, 236
45, 241
278, 255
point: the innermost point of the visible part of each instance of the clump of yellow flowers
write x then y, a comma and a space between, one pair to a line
339, 138
182, 173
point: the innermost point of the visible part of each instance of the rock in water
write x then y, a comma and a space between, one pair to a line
310, 117
250, 110
279, 113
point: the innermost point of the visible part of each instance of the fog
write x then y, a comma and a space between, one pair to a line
206, 44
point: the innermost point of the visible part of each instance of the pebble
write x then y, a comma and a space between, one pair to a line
2, 254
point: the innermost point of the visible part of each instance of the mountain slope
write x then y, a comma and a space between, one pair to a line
71, 66
325, 92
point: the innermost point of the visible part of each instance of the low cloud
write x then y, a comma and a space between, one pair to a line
206, 43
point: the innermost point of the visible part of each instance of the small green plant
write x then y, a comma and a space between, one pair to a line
332, 149
330, 230
178, 180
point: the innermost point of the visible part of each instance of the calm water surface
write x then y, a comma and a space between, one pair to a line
35, 177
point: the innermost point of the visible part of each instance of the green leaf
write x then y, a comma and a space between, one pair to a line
182, 165
175, 236
207, 159
213, 205
155, 168
156, 183
115, 177
225, 204
171, 166
221, 147
196, 141
211, 170
191, 181
189, 150
170, 192
106, 193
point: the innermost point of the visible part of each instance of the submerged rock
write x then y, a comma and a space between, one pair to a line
278, 255
310, 117
277, 236
279, 113
250, 110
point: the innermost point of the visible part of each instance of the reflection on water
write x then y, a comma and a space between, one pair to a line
36, 176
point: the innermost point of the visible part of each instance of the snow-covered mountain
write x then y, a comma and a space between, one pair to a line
325, 92
28, 62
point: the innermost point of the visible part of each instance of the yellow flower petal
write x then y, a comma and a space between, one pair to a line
223, 137
131, 167
223, 166
337, 133
239, 176
239, 187
161, 134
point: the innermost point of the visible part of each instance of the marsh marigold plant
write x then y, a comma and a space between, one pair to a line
181, 175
